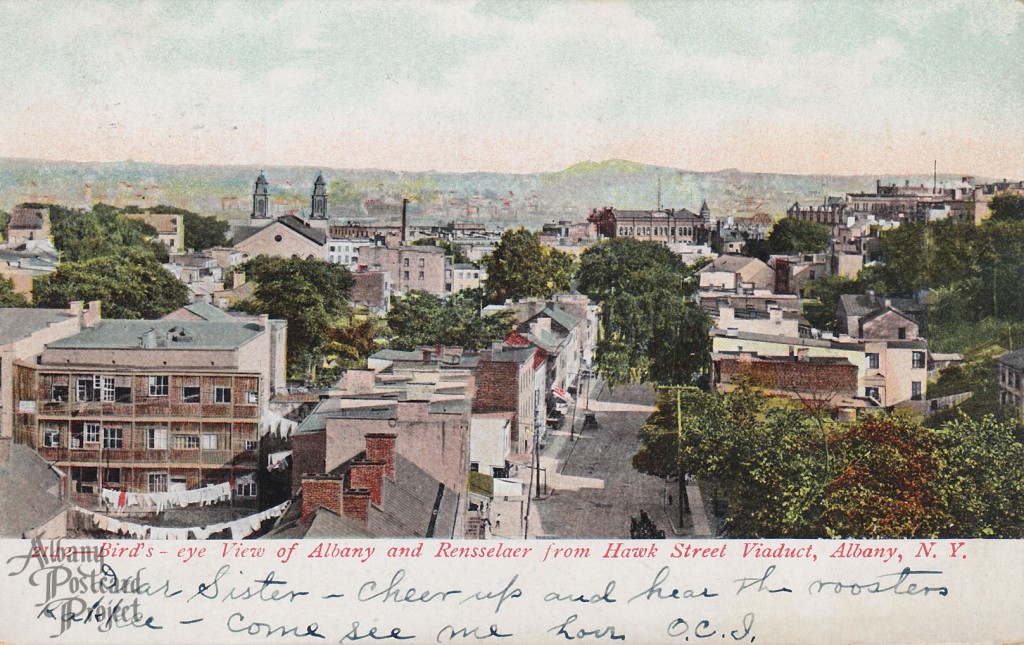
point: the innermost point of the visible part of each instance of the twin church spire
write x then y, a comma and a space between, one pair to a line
261, 199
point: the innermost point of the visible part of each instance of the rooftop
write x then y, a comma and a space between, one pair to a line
16, 324
162, 335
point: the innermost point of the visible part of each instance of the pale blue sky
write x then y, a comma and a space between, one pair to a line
848, 87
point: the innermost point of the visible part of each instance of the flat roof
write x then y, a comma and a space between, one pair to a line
167, 334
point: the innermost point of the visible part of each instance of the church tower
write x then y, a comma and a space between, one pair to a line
318, 204
705, 212
260, 199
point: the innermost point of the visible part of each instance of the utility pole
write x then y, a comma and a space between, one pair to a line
684, 498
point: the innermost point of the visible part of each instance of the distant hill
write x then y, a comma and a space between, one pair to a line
504, 198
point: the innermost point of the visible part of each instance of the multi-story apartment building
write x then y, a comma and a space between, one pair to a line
151, 405
412, 268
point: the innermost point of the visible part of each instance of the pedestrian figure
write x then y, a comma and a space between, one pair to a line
497, 521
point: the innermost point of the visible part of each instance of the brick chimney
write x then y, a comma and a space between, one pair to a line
368, 475
320, 491
355, 503
380, 447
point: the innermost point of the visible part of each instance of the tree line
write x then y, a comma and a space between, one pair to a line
783, 472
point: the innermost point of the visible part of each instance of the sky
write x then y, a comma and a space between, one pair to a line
807, 88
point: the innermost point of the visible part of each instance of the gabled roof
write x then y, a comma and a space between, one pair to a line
27, 218
565, 320
1014, 359
25, 498
413, 504
315, 235
731, 263
884, 310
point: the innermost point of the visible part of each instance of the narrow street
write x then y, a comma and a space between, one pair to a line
592, 491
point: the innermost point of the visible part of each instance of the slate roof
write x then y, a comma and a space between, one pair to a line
1014, 359
315, 235
25, 500
128, 334
565, 320
319, 236
413, 504
16, 324
206, 311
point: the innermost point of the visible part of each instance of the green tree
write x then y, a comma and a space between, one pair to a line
129, 286
652, 328
1006, 207
521, 267
102, 232
312, 295
9, 297
790, 235
419, 318
982, 478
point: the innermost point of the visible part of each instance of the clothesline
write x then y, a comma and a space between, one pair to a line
240, 528
158, 501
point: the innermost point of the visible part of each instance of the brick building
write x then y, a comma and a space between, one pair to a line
151, 405
827, 381
412, 268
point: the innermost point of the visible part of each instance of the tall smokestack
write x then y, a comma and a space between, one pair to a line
935, 176
405, 203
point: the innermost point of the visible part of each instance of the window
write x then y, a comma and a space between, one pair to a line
405, 262
901, 333
190, 395
51, 438
59, 393
92, 433
107, 389
872, 393
251, 444
112, 475
158, 482
474, 467
420, 275
872, 361
208, 441
405, 275
915, 390
113, 438
245, 488
918, 360
252, 397
278, 238
423, 262
186, 442
222, 394
87, 388
159, 385
156, 439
